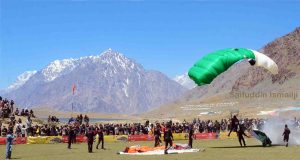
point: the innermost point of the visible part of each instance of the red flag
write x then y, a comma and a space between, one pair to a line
74, 89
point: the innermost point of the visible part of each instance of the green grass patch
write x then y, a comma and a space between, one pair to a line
214, 150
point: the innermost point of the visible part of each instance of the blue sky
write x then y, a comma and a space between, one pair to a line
168, 36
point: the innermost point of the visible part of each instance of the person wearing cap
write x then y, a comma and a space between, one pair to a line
9, 143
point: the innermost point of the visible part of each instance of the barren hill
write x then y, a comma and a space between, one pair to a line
244, 89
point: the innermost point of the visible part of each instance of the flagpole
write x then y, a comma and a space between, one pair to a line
73, 93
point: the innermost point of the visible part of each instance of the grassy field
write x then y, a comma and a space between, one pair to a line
214, 149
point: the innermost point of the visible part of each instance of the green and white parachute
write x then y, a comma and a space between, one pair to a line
210, 66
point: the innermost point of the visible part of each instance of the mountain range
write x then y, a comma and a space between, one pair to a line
231, 91
109, 82
185, 81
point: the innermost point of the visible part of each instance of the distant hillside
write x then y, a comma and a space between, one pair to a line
229, 91
185, 81
109, 82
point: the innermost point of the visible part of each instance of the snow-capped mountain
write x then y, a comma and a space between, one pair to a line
185, 81
21, 80
109, 82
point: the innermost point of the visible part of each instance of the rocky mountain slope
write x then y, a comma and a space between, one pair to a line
185, 81
109, 82
244, 88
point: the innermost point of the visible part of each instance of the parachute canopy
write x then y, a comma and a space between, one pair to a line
213, 64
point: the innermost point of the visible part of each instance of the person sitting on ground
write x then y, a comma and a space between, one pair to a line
4, 131
31, 114
22, 112
23, 131
26, 112
17, 112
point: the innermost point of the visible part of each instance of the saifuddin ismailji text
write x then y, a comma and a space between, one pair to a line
287, 95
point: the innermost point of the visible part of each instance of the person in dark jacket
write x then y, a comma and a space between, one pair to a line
90, 134
234, 124
286, 135
157, 136
100, 138
70, 136
191, 135
168, 138
240, 132
75, 130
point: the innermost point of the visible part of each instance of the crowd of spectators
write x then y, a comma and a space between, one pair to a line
80, 124
53, 119
8, 112
7, 109
80, 128
80, 119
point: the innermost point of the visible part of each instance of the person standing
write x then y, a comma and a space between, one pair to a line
9, 143
70, 136
234, 124
191, 135
12, 106
75, 129
286, 135
157, 136
168, 137
240, 133
29, 126
90, 139
100, 138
